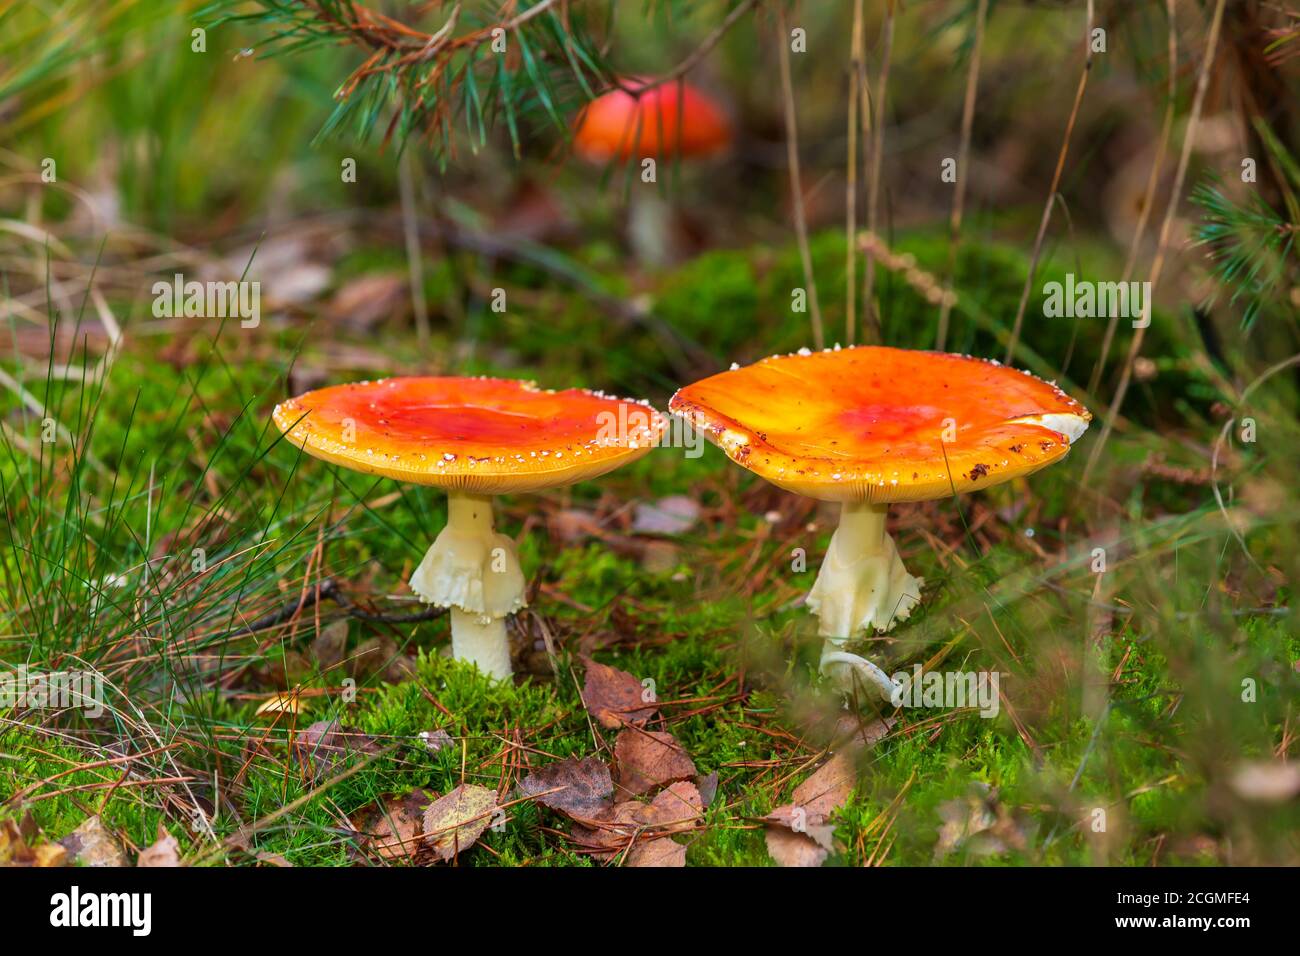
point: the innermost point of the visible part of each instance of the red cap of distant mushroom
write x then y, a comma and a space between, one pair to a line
672, 119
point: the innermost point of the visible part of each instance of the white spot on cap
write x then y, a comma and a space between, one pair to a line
1071, 426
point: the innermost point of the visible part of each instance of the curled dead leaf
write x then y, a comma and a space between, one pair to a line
327, 744
22, 844
800, 833
91, 844
394, 829
788, 848
165, 851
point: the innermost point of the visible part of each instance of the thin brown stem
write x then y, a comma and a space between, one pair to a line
796, 184
1148, 199
1051, 194
1157, 265
701, 51
857, 65
414, 257
871, 318
963, 163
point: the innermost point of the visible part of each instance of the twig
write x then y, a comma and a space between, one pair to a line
871, 318
698, 54
1157, 266
1148, 199
414, 262
1051, 193
329, 591
857, 68
963, 161
796, 186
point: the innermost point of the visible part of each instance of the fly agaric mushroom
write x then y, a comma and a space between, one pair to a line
474, 438
869, 426
672, 119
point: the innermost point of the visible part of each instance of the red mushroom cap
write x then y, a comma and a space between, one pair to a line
667, 120
477, 435
880, 424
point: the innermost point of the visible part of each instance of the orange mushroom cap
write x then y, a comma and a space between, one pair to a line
667, 120
474, 435
868, 423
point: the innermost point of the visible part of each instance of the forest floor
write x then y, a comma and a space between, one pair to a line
266, 703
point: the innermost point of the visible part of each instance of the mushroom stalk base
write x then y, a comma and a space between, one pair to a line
862, 585
484, 644
475, 571
852, 673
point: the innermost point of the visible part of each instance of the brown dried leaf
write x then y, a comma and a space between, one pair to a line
454, 822
649, 759
799, 834
829, 787
614, 697
662, 852
708, 786
586, 787
91, 844
394, 828
814, 800
21, 844
50, 855
852, 734
610, 832
674, 810
330, 645
164, 852
794, 849
679, 806
326, 744
367, 300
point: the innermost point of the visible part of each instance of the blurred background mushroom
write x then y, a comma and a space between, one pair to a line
652, 127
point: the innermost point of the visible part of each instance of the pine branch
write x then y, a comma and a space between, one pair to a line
1252, 248
481, 61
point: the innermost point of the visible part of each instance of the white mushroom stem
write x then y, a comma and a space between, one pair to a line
650, 228
475, 571
484, 644
853, 674
862, 586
